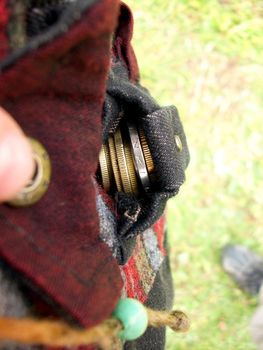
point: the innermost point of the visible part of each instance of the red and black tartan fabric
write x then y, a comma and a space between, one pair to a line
54, 87
73, 248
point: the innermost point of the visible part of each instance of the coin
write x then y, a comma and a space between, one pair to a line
106, 167
131, 167
125, 177
146, 152
138, 156
114, 162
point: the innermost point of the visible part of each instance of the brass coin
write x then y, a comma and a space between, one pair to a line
131, 167
38, 185
125, 177
114, 162
146, 152
106, 168
109, 165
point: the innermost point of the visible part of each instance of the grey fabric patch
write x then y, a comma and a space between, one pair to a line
108, 225
13, 304
152, 249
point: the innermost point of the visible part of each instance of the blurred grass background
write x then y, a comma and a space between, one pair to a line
205, 56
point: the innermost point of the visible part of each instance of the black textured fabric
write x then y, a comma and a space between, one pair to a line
40, 15
160, 126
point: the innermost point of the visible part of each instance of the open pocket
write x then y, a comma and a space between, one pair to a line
150, 137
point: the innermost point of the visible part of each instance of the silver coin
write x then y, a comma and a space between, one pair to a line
137, 152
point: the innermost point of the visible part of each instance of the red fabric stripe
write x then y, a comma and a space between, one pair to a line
159, 230
122, 47
4, 16
133, 286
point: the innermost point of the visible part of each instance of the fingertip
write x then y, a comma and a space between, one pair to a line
16, 161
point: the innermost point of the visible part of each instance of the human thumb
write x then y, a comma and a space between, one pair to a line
16, 161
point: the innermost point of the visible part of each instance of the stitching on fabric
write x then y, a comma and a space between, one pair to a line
133, 217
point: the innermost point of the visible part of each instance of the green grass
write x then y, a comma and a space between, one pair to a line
205, 57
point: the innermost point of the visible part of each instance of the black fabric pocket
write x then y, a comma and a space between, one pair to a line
167, 143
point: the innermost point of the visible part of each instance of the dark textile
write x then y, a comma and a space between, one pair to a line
55, 244
126, 97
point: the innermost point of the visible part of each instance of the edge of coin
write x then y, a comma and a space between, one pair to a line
114, 162
131, 167
124, 172
104, 169
139, 159
146, 151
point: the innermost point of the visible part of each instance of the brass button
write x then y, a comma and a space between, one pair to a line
38, 185
178, 143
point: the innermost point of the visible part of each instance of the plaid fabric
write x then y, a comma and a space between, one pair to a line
139, 272
55, 244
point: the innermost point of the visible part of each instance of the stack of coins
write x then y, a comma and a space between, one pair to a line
125, 161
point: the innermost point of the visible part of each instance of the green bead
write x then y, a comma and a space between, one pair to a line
133, 316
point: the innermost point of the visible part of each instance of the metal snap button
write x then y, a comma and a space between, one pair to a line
178, 143
38, 185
